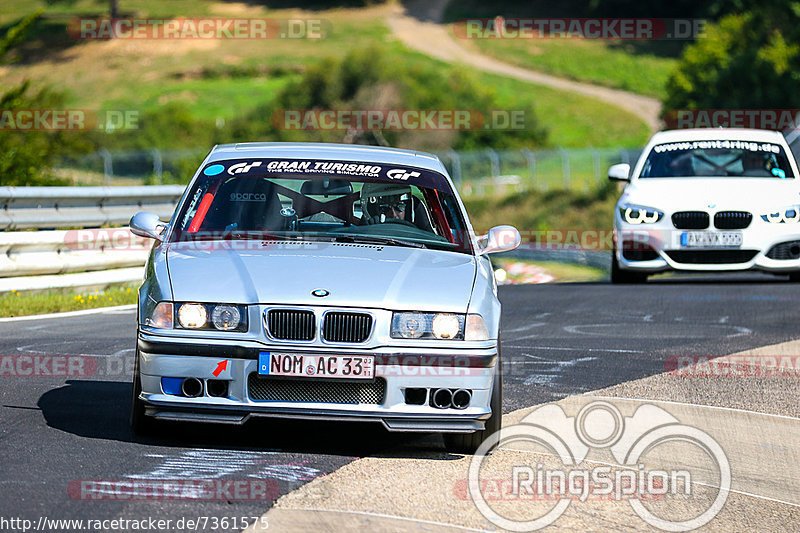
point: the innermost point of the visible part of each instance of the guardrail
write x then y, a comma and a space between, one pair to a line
82, 207
29, 258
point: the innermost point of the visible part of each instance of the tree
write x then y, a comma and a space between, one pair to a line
27, 156
748, 60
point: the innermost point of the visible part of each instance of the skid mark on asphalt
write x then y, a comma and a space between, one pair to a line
680, 331
214, 464
552, 370
202, 465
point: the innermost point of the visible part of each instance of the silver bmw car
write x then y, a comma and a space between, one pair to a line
321, 281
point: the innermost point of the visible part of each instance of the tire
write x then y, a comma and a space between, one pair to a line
794, 277
468, 443
141, 424
619, 275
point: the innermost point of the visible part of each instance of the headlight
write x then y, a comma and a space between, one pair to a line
223, 317
636, 214
226, 317
446, 326
783, 215
161, 317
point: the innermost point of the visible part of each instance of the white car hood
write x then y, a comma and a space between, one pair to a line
387, 277
686, 194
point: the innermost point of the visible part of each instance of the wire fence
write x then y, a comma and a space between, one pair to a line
474, 172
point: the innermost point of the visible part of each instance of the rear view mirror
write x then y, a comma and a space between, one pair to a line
148, 225
326, 187
500, 239
620, 172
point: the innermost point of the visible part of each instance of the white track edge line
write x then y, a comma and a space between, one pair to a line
68, 314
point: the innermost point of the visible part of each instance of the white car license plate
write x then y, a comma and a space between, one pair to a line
316, 366
711, 239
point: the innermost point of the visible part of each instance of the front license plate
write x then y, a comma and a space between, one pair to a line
316, 366
711, 239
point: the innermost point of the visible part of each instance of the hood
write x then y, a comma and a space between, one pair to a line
358, 275
745, 194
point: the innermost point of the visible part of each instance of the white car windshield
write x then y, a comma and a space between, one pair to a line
717, 158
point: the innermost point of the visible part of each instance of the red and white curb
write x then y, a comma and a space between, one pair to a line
522, 273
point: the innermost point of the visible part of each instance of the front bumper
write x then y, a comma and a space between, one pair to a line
427, 368
665, 240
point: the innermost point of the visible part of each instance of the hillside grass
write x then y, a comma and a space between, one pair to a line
557, 209
226, 79
638, 66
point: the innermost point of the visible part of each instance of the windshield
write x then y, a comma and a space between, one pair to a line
337, 201
719, 158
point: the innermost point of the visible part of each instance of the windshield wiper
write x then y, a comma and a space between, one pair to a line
364, 239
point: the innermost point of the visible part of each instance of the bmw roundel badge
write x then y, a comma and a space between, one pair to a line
320, 293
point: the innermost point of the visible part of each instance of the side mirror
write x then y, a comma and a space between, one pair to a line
620, 172
499, 239
146, 224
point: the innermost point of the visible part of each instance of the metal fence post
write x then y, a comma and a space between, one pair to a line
531, 158
494, 160
455, 160
108, 169
157, 164
565, 171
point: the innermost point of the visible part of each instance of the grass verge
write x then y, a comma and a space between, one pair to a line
22, 304
562, 272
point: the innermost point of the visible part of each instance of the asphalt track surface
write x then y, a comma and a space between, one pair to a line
558, 340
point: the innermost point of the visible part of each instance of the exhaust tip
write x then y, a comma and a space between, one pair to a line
192, 387
461, 398
442, 398
218, 388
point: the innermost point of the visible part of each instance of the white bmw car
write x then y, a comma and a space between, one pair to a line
708, 200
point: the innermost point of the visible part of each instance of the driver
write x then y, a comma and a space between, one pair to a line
753, 164
384, 201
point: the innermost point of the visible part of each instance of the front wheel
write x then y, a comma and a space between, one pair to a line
468, 443
141, 424
794, 277
619, 275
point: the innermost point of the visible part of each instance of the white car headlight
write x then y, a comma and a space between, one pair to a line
445, 326
192, 316
637, 214
783, 215
221, 317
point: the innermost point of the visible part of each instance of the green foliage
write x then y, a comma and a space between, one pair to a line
368, 79
27, 156
16, 34
750, 60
